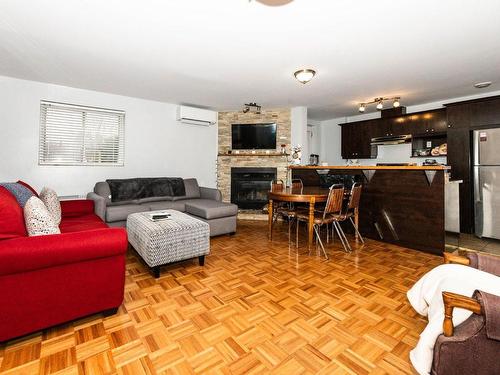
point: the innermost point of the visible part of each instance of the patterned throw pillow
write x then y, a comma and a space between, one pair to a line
49, 198
38, 220
21, 192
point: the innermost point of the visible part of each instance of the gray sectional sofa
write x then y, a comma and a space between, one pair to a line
200, 202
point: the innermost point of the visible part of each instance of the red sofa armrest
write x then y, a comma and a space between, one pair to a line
31, 253
77, 207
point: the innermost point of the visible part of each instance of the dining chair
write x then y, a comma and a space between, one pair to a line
352, 207
277, 186
330, 215
297, 187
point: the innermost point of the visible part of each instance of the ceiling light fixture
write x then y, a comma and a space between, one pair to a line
380, 103
482, 85
304, 75
274, 3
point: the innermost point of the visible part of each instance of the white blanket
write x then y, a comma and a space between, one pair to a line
426, 298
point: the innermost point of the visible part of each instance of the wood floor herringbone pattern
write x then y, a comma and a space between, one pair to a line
251, 309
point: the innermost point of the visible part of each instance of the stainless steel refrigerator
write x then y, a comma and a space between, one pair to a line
486, 147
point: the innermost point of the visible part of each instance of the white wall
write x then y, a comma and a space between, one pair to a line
314, 136
155, 143
331, 136
299, 131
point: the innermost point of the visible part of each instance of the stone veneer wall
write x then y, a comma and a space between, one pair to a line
282, 118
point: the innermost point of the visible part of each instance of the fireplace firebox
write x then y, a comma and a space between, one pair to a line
249, 186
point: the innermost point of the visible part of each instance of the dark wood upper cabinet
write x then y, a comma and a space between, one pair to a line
356, 140
356, 136
458, 116
485, 113
423, 123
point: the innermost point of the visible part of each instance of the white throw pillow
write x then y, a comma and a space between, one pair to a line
38, 219
49, 198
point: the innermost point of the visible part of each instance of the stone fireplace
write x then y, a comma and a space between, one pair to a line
229, 160
249, 186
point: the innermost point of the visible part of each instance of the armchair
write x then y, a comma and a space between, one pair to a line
473, 346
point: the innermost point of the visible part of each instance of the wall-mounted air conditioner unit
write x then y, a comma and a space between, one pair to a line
196, 116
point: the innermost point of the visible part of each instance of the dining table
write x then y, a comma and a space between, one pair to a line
307, 194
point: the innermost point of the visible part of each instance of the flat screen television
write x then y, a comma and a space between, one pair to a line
253, 136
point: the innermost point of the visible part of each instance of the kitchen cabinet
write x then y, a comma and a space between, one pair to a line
356, 136
485, 113
428, 122
356, 140
459, 159
458, 116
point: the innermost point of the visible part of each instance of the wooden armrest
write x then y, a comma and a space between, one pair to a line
452, 300
457, 259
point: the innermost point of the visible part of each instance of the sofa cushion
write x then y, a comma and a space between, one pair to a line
210, 209
192, 190
11, 216
166, 205
39, 221
81, 223
49, 198
19, 191
119, 213
154, 199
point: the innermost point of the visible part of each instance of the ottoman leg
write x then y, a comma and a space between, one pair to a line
201, 259
156, 272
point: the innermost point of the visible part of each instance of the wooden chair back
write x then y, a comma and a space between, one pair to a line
277, 186
334, 201
355, 196
297, 186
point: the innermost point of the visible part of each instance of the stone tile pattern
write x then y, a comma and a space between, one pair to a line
282, 117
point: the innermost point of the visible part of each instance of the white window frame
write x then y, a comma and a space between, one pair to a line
80, 157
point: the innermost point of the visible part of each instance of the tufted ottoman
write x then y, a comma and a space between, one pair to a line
161, 242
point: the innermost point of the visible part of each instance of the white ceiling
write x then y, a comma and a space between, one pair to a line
223, 53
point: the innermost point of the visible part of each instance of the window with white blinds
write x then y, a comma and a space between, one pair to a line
78, 135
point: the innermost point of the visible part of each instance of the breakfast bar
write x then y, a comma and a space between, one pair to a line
402, 205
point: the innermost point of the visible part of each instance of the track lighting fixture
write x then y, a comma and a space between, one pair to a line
380, 103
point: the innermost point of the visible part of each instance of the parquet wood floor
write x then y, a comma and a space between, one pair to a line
249, 310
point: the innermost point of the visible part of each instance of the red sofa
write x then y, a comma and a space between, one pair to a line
48, 280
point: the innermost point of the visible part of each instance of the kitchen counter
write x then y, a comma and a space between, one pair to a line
402, 205
375, 167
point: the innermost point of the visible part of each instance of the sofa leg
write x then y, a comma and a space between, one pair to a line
201, 260
110, 312
156, 272
232, 233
